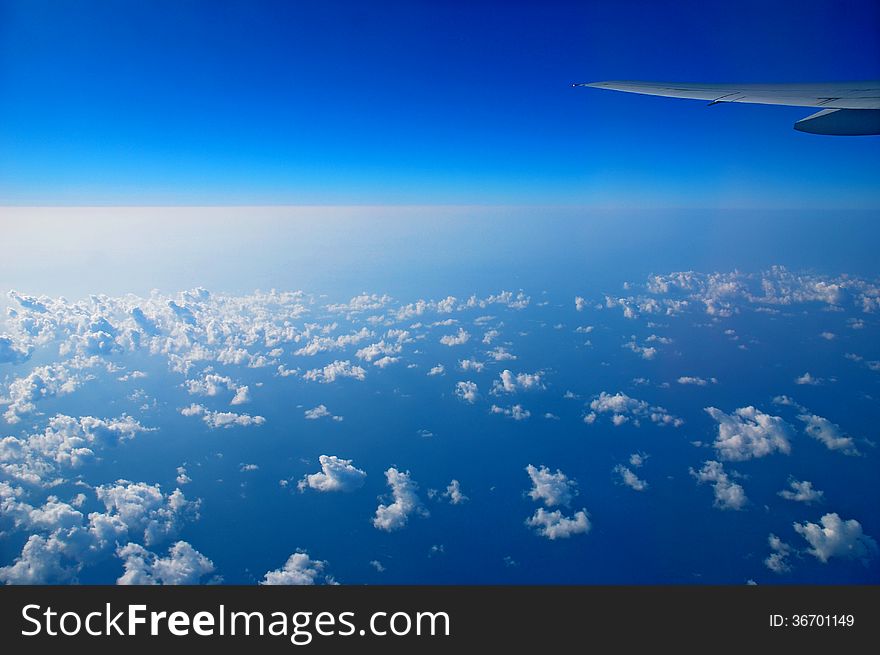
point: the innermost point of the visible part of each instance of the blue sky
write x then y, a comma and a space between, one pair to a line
422, 103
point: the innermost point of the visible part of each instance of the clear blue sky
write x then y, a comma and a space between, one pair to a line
416, 102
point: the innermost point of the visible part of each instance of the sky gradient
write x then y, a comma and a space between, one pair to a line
422, 103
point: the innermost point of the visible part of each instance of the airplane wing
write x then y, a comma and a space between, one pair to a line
845, 108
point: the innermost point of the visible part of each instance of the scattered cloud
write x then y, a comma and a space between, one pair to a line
394, 516
749, 433
320, 412
467, 391
551, 488
802, 492
335, 475
728, 494
299, 569
184, 565
554, 525
828, 433
835, 537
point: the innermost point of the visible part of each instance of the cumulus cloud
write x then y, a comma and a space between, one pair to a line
319, 344
299, 569
459, 338
828, 433
516, 412
437, 370
64, 540
501, 354
66, 443
696, 381
580, 303
335, 475
184, 565
808, 379
13, 351
380, 350
467, 391
835, 537
333, 371
454, 494
144, 509
777, 560
225, 420
748, 433
728, 494
510, 382
554, 525
320, 412
182, 477
210, 384
551, 488
802, 492
629, 478
42, 382
623, 408
395, 515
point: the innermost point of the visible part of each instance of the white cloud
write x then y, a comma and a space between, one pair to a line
471, 365
828, 433
299, 569
143, 508
777, 560
65, 541
42, 382
516, 412
379, 350
645, 352
437, 370
335, 475
808, 379
580, 303
490, 335
395, 515
184, 565
835, 537
458, 339
320, 344
333, 371
511, 383
554, 525
551, 488
623, 408
224, 420
242, 396
454, 494
629, 478
13, 351
466, 391
501, 354
362, 303
802, 492
748, 433
728, 494
320, 412
66, 443
182, 477
696, 381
